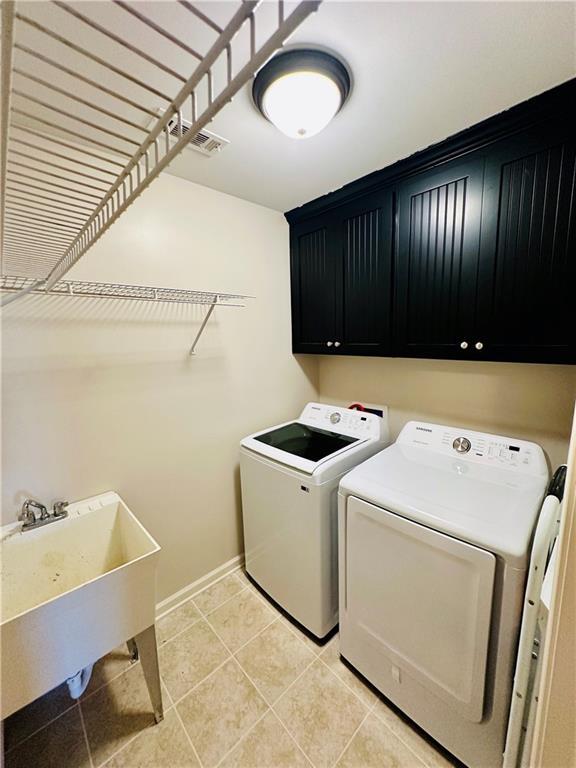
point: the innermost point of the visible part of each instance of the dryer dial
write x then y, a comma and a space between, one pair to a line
462, 445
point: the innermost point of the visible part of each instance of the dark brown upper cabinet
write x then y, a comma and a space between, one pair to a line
466, 250
341, 279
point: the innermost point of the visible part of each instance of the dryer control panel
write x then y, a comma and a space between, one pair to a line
345, 421
479, 447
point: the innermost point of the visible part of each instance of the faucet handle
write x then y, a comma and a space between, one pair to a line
28, 513
60, 508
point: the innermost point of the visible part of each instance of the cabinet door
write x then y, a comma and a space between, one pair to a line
316, 284
529, 248
366, 237
437, 251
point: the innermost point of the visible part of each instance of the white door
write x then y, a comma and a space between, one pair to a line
423, 598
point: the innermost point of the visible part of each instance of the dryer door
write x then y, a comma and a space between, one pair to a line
421, 598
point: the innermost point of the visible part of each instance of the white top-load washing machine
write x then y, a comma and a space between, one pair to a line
434, 536
290, 476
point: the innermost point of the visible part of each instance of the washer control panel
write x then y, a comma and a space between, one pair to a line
345, 421
479, 447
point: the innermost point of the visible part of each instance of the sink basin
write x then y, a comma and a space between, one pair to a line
71, 592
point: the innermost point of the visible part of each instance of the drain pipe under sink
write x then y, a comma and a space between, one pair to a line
78, 683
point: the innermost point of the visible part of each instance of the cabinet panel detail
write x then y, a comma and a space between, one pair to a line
435, 261
364, 272
535, 249
313, 266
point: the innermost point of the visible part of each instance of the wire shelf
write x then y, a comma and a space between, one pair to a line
95, 290
82, 133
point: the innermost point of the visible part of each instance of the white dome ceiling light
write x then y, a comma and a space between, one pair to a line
301, 90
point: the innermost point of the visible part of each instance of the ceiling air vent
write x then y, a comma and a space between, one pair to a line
204, 141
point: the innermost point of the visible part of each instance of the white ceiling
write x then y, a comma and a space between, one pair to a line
422, 71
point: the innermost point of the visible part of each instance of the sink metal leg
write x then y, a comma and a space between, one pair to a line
148, 651
132, 649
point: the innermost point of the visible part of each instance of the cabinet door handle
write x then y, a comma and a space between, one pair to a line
479, 345
328, 343
336, 343
463, 345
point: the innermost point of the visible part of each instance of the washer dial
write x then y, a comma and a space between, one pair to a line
335, 417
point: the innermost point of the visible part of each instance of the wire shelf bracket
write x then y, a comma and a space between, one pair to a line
70, 164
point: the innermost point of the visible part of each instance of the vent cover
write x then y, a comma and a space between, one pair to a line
204, 141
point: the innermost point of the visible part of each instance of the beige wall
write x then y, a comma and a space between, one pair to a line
102, 395
534, 402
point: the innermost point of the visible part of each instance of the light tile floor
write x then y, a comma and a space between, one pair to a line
243, 688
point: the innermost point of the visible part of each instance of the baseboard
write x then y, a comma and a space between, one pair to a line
173, 601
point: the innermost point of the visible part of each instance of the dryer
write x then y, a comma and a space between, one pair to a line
289, 475
434, 536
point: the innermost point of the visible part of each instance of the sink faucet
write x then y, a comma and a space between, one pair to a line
34, 514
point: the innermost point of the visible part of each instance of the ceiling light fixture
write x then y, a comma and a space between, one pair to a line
301, 90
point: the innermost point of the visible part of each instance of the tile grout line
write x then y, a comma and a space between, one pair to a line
85, 733
366, 716
244, 736
41, 728
188, 737
199, 592
202, 617
130, 740
122, 748
308, 760
251, 681
296, 632
272, 707
306, 668
269, 709
208, 676
181, 631
419, 757
134, 736
204, 614
129, 666
247, 641
231, 657
162, 643
370, 707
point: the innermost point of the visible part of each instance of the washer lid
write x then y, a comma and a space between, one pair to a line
487, 503
321, 434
